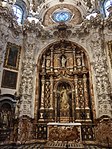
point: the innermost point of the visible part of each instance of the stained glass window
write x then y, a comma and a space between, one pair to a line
61, 16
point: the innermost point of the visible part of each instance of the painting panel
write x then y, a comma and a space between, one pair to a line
9, 79
12, 56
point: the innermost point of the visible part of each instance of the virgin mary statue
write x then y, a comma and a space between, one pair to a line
64, 99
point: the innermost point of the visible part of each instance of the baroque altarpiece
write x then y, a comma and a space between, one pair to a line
55, 75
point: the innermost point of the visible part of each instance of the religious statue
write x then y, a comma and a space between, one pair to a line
63, 61
64, 99
78, 62
4, 117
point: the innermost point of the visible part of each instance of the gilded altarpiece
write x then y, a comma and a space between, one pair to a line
64, 94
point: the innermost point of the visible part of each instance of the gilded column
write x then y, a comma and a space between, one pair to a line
74, 54
56, 113
51, 92
73, 113
83, 65
43, 64
42, 93
43, 83
76, 91
85, 91
51, 59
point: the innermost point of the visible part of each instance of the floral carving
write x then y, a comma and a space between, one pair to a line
28, 67
100, 66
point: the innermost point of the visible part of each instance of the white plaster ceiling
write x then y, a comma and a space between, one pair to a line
42, 6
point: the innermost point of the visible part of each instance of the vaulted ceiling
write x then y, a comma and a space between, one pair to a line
42, 6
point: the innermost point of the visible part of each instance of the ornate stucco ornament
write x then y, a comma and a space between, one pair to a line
32, 27
108, 22
10, 18
62, 31
94, 23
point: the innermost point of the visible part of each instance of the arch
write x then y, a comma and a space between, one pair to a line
8, 98
41, 51
7, 113
63, 80
49, 77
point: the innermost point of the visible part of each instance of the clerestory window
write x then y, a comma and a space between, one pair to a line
18, 11
107, 5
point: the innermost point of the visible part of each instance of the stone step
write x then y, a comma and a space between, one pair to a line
52, 145
63, 145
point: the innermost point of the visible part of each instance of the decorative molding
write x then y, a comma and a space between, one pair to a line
9, 17
27, 75
100, 67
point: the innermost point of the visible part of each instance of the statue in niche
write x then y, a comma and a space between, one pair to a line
48, 63
5, 117
63, 61
78, 62
64, 99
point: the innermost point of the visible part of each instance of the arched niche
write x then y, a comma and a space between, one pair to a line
63, 67
63, 101
7, 110
7, 115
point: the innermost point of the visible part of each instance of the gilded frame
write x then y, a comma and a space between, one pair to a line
12, 56
110, 51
